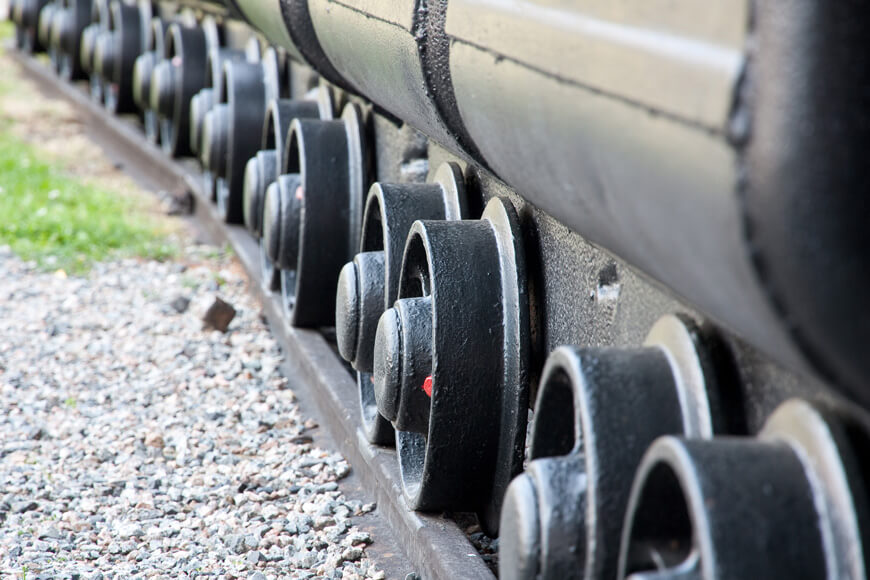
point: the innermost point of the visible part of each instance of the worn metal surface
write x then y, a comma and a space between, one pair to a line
318, 152
261, 170
200, 104
86, 45
186, 52
580, 294
265, 167
679, 186
596, 413
267, 17
395, 53
44, 21
330, 159
68, 20
574, 126
263, 174
115, 53
785, 505
677, 58
142, 71
369, 284
26, 16
804, 179
203, 102
714, 124
583, 295
451, 362
88, 48
281, 209
437, 548
297, 20
242, 94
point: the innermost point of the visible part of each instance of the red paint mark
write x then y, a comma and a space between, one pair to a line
299, 193
427, 386
176, 61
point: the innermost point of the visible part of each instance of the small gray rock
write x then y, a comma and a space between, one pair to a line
130, 531
36, 434
180, 304
19, 507
235, 543
181, 204
251, 541
51, 533
359, 538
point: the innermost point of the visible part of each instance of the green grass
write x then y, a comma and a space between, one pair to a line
7, 30
62, 223
59, 221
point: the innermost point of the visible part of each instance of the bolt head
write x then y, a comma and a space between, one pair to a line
214, 139
163, 89
388, 364
520, 531
104, 55
15, 10
44, 24
272, 221
200, 104
291, 197
252, 189
206, 138
142, 71
88, 42
347, 311
544, 520
24, 12
62, 30
257, 178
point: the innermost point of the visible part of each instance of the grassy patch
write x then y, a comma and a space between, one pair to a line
7, 30
62, 223
58, 220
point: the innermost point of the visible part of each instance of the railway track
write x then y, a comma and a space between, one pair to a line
592, 265
435, 545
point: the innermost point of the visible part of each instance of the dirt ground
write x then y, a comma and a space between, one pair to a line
51, 126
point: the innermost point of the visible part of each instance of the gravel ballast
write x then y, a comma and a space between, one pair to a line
137, 442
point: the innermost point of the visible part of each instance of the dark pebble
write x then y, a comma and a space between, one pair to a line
219, 315
180, 304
